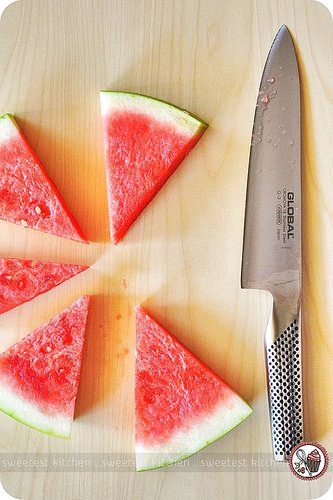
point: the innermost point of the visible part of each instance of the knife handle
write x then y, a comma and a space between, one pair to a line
284, 380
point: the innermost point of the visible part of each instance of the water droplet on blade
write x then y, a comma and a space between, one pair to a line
265, 99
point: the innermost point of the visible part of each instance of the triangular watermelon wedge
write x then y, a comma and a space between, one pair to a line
39, 376
28, 196
21, 280
144, 142
181, 406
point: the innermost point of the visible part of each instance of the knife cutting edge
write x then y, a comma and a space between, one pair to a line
272, 235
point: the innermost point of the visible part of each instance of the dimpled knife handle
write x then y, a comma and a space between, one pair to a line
284, 380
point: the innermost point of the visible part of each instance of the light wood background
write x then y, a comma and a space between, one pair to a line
182, 258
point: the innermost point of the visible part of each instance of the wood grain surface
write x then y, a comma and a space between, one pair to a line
182, 257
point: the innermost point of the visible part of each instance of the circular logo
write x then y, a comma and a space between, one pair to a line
308, 461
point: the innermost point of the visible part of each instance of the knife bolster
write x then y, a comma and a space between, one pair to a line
284, 312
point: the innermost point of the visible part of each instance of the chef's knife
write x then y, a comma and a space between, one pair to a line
272, 235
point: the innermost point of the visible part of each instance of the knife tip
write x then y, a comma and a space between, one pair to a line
283, 28
283, 32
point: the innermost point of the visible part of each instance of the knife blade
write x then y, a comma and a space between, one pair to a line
272, 235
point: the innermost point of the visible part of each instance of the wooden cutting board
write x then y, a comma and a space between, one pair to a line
182, 258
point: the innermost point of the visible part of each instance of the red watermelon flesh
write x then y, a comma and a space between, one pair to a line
21, 280
144, 141
181, 405
28, 196
39, 376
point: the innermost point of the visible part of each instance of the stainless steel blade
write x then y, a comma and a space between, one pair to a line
272, 236
272, 232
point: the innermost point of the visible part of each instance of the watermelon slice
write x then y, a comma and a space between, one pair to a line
144, 142
181, 406
22, 280
39, 376
28, 196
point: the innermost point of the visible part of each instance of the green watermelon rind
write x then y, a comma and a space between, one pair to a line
228, 429
16, 417
11, 125
35, 428
188, 122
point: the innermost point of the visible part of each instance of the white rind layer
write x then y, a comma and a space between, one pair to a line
185, 443
8, 128
160, 110
29, 414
